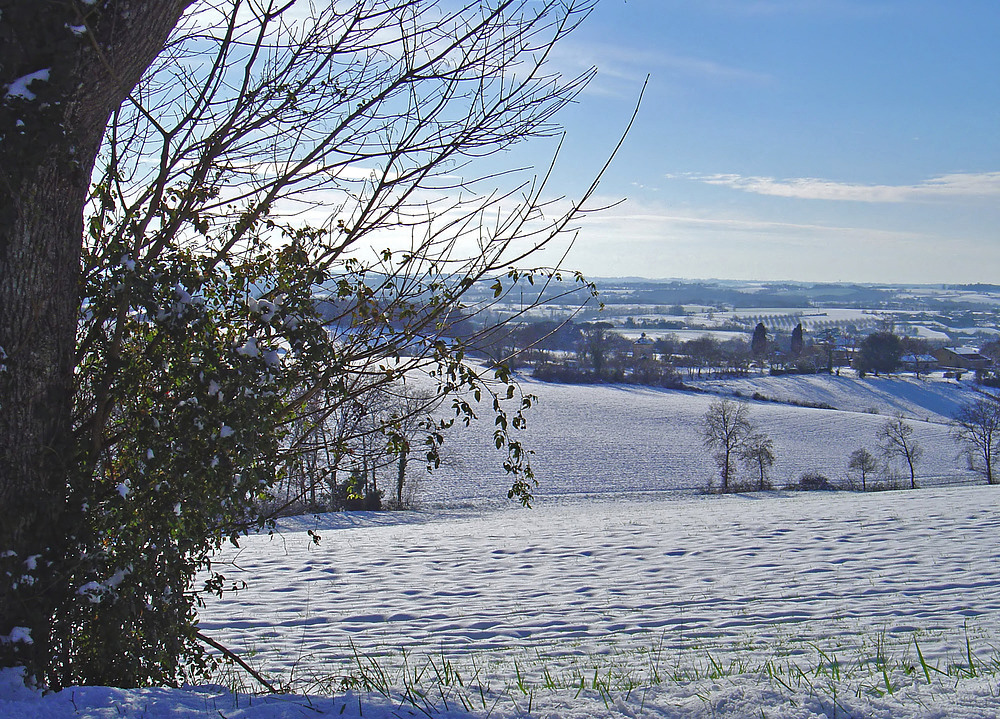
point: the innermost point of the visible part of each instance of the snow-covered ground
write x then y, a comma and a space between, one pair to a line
931, 398
683, 335
627, 440
693, 607
619, 595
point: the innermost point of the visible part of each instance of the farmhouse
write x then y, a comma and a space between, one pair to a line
642, 347
918, 363
962, 358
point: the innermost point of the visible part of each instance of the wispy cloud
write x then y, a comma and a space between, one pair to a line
952, 186
637, 217
621, 63
653, 239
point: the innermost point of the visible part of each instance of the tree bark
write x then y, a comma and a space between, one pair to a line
64, 68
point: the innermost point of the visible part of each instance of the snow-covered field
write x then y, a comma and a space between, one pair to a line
619, 595
626, 440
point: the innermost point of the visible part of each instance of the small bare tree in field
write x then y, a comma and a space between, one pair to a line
758, 456
897, 441
377, 436
977, 427
725, 430
864, 463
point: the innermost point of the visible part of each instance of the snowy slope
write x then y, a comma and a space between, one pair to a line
626, 440
662, 603
935, 399
693, 600
770, 575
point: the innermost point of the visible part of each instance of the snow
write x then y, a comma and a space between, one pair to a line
249, 348
18, 635
925, 398
699, 700
684, 335
272, 358
91, 590
929, 333
661, 602
628, 440
19, 88
617, 587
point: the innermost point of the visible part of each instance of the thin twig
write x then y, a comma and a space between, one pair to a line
239, 660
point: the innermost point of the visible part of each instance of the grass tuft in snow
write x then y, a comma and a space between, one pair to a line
480, 682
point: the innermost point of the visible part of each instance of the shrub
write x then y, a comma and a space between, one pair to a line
814, 482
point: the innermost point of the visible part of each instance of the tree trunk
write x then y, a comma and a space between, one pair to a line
400, 477
64, 68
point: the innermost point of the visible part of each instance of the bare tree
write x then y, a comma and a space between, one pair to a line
406, 425
188, 173
896, 438
725, 428
703, 352
375, 434
977, 427
757, 454
863, 462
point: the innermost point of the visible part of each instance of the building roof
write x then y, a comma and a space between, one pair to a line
918, 358
970, 352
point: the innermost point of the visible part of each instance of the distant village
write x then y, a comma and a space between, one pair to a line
659, 333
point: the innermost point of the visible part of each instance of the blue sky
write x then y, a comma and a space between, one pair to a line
812, 140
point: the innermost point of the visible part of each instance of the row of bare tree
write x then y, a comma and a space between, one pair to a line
729, 433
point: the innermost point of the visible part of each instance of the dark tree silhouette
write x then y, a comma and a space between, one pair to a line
879, 352
797, 342
758, 343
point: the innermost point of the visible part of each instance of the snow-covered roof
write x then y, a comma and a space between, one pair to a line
918, 358
970, 352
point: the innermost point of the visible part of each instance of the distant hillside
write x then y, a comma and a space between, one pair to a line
738, 295
932, 400
619, 438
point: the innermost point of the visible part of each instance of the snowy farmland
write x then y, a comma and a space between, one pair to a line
625, 592
624, 440
589, 584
